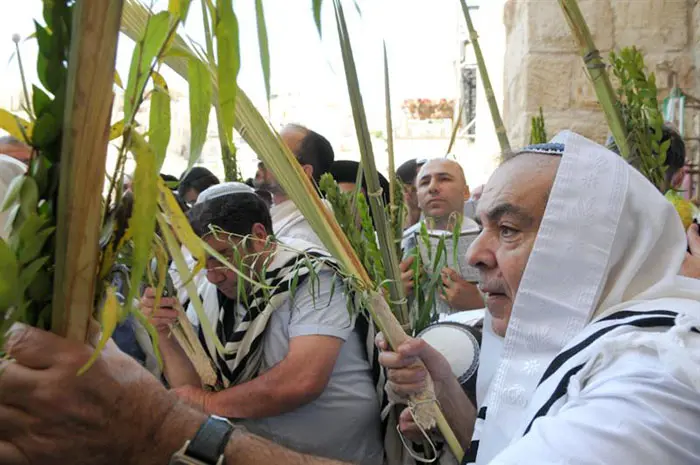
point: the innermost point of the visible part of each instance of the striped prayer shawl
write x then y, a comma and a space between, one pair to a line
552, 387
242, 358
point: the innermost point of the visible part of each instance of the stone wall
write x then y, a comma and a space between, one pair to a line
543, 67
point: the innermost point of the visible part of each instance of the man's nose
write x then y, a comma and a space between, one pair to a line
433, 186
215, 276
480, 253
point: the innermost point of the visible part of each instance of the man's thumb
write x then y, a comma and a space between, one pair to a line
694, 239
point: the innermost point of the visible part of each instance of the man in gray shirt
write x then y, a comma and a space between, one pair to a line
294, 368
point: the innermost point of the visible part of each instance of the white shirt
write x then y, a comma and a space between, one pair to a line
288, 221
609, 244
633, 412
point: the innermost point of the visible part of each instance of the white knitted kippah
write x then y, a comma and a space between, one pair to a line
225, 188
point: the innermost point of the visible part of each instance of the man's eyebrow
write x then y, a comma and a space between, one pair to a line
439, 173
500, 210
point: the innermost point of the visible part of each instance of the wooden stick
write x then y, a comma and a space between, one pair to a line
83, 156
597, 71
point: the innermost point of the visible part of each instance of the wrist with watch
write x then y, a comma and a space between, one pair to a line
207, 446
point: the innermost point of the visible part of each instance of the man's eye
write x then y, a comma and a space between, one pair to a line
507, 232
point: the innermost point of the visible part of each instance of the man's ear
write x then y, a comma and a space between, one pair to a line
467, 194
259, 231
309, 170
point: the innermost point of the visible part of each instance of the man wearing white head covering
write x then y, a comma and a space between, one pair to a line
290, 346
601, 357
589, 293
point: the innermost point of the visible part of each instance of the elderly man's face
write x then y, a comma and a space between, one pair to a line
510, 210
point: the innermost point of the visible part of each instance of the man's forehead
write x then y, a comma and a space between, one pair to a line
221, 239
524, 182
437, 167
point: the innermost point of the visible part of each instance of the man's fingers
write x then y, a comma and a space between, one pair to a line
380, 342
411, 375
165, 314
17, 383
12, 421
406, 390
170, 302
392, 360
412, 348
11, 455
408, 426
406, 416
35, 348
406, 264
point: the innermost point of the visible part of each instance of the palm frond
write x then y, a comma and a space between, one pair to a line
484, 75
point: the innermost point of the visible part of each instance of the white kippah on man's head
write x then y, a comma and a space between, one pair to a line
225, 188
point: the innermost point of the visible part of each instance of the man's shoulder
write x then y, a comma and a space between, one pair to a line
633, 383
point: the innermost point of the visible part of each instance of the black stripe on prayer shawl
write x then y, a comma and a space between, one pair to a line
470, 454
647, 320
556, 395
253, 313
280, 280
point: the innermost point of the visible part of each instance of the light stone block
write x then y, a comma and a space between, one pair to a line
548, 30
652, 25
549, 78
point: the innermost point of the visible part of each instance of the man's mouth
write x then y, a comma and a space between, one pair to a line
491, 291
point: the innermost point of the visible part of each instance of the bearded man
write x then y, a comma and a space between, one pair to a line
579, 256
315, 155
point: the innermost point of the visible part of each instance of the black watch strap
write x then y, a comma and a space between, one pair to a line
210, 441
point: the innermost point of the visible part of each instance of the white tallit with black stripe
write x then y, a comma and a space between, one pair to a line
601, 281
240, 326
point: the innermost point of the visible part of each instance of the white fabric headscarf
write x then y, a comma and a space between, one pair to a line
608, 241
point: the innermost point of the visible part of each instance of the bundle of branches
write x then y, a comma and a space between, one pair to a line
639, 107
429, 259
69, 123
352, 213
538, 133
632, 110
263, 139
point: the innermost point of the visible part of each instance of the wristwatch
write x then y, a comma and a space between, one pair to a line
207, 446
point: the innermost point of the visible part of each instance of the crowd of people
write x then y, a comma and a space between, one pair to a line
589, 342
